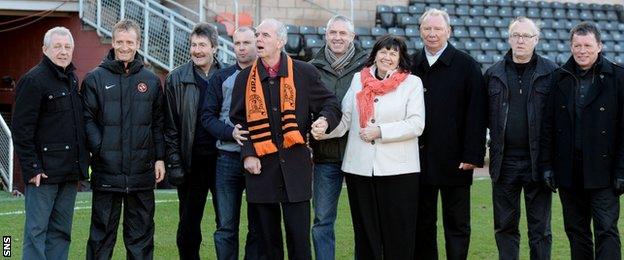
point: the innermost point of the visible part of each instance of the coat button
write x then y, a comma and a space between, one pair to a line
271, 82
421, 147
282, 160
604, 156
45, 149
63, 93
425, 90
559, 130
563, 107
602, 109
373, 120
603, 132
67, 147
50, 97
376, 100
274, 108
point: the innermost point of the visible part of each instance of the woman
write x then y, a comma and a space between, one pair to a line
384, 113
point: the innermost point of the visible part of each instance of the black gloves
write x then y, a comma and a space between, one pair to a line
549, 181
618, 186
175, 176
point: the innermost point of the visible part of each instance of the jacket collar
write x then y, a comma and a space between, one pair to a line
283, 68
541, 68
116, 66
58, 71
187, 71
356, 62
602, 65
446, 57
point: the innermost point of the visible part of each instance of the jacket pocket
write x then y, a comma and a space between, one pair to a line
56, 156
57, 101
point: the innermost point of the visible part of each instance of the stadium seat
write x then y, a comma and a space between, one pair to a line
460, 32
617, 36
573, 14
294, 44
407, 21
504, 32
562, 58
544, 4
312, 43
490, 2
459, 45
502, 23
505, 12
586, 15
292, 29
476, 2
476, 11
399, 9
311, 36
557, 24
529, 3
606, 37
560, 14
619, 59
471, 22
549, 34
456, 21
449, 8
612, 15
362, 31
396, 31
307, 29
460, 2
386, 20
476, 32
368, 44
416, 9
485, 22
563, 34
504, 3
519, 11
366, 38
384, 9
496, 58
378, 31
321, 30
490, 11
488, 46
412, 31
533, 12
557, 5
484, 59
594, 6
502, 46
470, 45
546, 13
491, 33
617, 48
462, 10
562, 47
582, 6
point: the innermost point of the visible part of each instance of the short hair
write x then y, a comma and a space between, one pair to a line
584, 28
127, 25
245, 29
522, 19
59, 30
434, 12
391, 42
282, 32
208, 31
342, 18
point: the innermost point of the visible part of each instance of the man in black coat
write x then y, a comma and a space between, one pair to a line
190, 148
49, 139
124, 121
518, 86
274, 99
582, 145
453, 143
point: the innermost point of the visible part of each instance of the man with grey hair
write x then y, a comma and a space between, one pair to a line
337, 61
276, 99
517, 87
49, 139
453, 143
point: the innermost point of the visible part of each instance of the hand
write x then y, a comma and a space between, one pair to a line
619, 186
370, 133
466, 166
320, 126
176, 176
37, 179
549, 181
159, 170
238, 133
252, 164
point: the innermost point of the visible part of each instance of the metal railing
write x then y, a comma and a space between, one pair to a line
6, 156
165, 33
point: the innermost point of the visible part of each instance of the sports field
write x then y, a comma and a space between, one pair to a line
482, 244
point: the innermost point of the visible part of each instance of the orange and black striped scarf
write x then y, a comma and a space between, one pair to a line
257, 116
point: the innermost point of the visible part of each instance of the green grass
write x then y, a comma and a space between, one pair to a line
482, 244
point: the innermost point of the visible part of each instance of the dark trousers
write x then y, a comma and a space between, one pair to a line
383, 210
506, 198
49, 212
192, 195
583, 207
138, 224
297, 225
456, 220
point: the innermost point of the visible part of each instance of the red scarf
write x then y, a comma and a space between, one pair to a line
372, 87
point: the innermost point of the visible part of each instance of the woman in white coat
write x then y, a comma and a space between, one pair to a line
384, 114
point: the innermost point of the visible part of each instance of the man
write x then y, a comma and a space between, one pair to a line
229, 179
274, 100
517, 86
582, 145
453, 143
337, 61
191, 152
49, 139
124, 121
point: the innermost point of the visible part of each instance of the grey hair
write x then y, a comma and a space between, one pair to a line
244, 29
342, 18
282, 32
522, 19
434, 12
59, 30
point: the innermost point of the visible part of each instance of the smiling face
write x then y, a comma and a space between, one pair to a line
386, 60
338, 37
435, 32
585, 50
125, 43
60, 50
202, 51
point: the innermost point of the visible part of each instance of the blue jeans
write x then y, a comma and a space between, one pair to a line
49, 214
327, 186
230, 183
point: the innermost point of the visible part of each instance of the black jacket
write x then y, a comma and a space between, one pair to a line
332, 150
498, 90
181, 108
288, 171
48, 128
124, 123
455, 121
602, 124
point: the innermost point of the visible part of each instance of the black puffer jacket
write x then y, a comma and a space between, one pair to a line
124, 123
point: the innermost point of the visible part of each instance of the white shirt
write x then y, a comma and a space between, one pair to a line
433, 57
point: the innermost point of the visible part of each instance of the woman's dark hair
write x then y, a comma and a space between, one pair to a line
391, 42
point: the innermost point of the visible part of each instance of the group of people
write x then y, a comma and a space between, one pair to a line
410, 129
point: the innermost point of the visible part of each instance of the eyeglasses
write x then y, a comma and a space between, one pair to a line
517, 36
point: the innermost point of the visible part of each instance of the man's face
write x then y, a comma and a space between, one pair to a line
338, 37
60, 51
245, 46
202, 51
585, 50
267, 41
435, 32
522, 39
125, 44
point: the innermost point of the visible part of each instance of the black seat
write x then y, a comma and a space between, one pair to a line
504, 33
502, 46
367, 44
399, 9
460, 32
362, 31
378, 31
416, 9
491, 33
396, 31
560, 14
476, 11
549, 34
471, 22
547, 13
412, 31
573, 14
519, 11
292, 28
294, 44
600, 15
462, 10
470, 45
407, 21
562, 58
386, 19
504, 3
311, 36
475, 2
307, 29
505, 12
533, 12
484, 22
321, 30
455, 21
490, 11
488, 46
312, 43
384, 9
